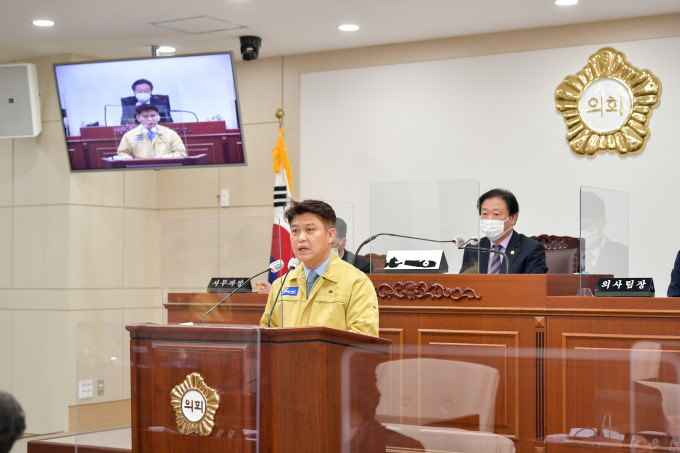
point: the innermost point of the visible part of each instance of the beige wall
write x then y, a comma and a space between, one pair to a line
73, 247
85, 247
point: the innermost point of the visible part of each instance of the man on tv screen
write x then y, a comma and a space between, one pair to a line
149, 140
143, 94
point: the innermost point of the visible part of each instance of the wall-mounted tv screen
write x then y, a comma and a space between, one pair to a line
164, 112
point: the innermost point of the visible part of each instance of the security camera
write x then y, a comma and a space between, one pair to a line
250, 47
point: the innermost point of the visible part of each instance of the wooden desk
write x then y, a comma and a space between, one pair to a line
211, 138
563, 359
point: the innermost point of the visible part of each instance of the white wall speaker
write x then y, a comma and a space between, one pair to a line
19, 101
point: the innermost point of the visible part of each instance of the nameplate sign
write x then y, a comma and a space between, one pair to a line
624, 287
228, 285
416, 262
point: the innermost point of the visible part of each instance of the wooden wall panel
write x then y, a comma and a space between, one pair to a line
591, 370
498, 350
396, 384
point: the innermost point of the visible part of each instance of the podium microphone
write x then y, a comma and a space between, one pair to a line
273, 267
458, 240
475, 243
292, 264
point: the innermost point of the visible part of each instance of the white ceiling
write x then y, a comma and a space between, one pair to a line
122, 28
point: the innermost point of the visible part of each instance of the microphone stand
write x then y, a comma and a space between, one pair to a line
480, 249
269, 322
394, 235
185, 111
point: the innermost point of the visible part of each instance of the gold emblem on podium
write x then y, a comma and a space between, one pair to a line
195, 405
607, 105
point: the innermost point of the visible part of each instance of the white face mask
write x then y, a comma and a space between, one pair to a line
591, 238
493, 229
143, 97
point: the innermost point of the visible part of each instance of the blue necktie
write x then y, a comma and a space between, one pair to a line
311, 279
496, 260
150, 134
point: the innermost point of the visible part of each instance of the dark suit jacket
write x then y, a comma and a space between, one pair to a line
525, 256
361, 263
674, 287
130, 103
613, 259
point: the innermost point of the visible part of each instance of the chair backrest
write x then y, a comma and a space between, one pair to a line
562, 253
447, 390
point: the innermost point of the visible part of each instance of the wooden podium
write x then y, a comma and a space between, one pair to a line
303, 402
154, 163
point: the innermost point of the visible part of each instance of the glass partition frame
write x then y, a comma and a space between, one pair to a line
435, 210
604, 246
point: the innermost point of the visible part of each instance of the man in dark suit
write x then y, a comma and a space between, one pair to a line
143, 94
498, 209
339, 244
674, 287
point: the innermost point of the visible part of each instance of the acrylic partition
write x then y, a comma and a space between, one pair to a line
622, 395
604, 234
233, 249
433, 210
453, 394
102, 379
180, 396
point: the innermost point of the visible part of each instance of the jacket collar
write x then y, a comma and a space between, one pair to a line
333, 271
139, 130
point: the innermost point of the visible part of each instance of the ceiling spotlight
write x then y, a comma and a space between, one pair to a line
166, 49
348, 27
43, 23
566, 2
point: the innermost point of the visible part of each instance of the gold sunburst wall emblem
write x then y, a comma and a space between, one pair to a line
195, 405
607, 105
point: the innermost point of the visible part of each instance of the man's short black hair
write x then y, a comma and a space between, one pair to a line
139, 82
12, 421
505, 195
145, 108
317, 207
340, 228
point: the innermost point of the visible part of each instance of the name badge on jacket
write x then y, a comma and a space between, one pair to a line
290, 291
139, 139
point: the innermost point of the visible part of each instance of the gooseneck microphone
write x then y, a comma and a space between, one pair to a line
166, 145
292, 264
458, 241
481, 249
185, 111
273, 267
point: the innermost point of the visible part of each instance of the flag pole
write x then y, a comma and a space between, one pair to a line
280, 114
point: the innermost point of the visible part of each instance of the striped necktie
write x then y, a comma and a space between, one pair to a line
150, 134
495, 260
311, 279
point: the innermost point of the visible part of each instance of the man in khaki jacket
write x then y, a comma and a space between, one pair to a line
149, 140
325, 290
